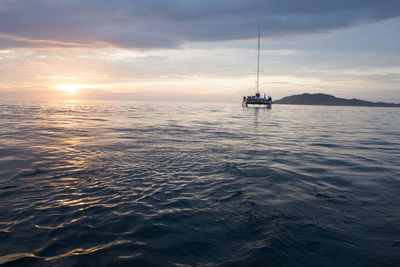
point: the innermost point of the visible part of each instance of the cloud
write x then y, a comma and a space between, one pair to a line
147, 24
45, 43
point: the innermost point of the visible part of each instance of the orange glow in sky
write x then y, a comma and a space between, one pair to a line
70, 89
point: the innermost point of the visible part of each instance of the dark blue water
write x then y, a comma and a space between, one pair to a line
143, 184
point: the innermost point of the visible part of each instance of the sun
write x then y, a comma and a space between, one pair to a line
70, 89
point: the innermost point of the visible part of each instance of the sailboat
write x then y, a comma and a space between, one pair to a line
257, 99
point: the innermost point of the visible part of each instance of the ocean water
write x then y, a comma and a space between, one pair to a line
174, 184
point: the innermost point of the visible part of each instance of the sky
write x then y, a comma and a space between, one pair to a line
198, 50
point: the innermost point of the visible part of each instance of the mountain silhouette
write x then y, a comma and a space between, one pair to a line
329, 100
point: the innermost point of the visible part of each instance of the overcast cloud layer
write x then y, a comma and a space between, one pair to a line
170, 23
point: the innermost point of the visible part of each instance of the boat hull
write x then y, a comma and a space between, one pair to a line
257, 102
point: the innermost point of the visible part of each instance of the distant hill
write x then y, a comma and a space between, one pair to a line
329, 100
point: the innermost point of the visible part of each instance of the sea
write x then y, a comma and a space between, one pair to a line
92, 183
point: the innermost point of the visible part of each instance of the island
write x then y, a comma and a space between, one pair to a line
329, 100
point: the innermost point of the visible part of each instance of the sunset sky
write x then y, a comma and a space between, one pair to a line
198, 50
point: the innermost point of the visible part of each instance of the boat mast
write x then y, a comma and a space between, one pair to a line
258, 61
